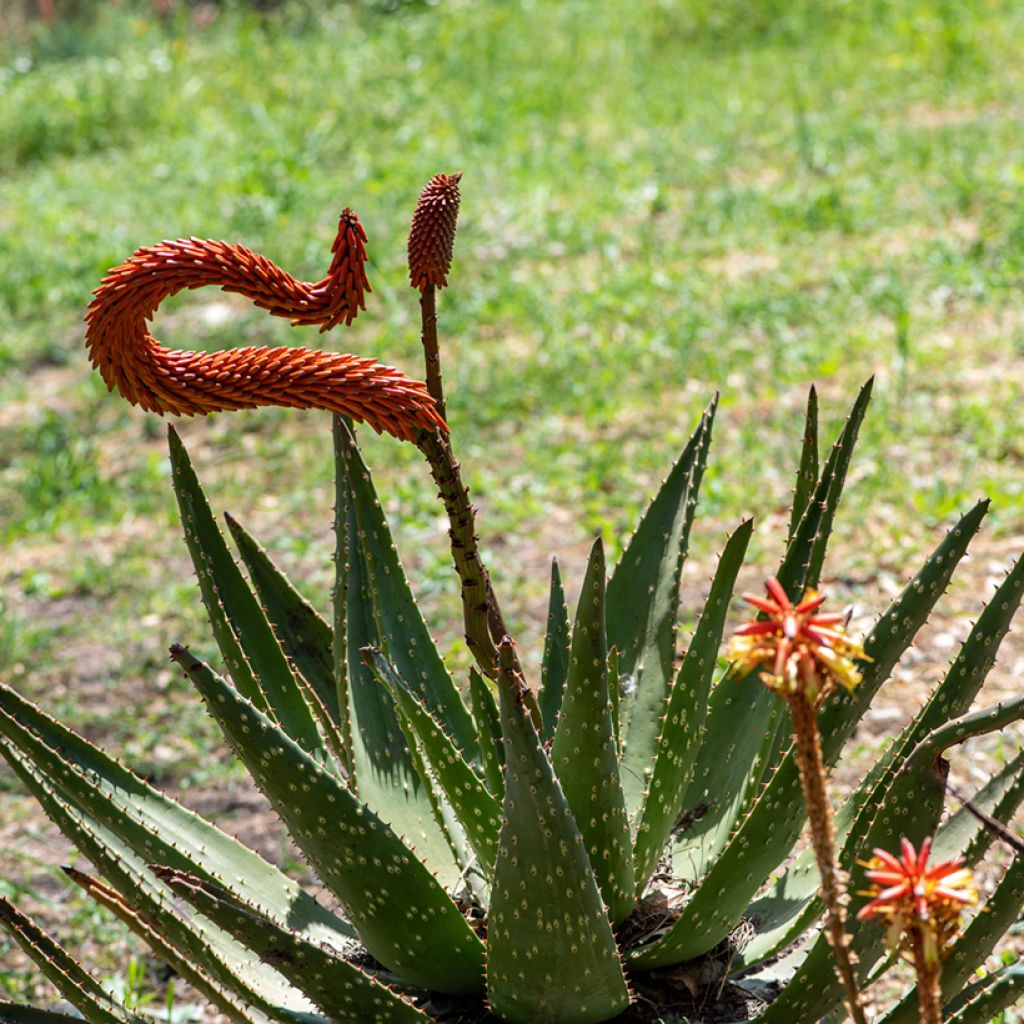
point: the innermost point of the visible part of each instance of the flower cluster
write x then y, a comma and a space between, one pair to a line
912, 897
803, 649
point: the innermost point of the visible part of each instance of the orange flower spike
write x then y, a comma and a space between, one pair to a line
185, 383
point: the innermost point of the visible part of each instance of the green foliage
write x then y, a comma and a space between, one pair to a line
492, 851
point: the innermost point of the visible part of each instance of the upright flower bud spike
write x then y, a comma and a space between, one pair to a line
432, 236
186, 383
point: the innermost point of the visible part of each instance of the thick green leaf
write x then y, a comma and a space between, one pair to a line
551, 952
403, 916
303, 634
155, 827
344, 544
227, 973
555, 665
485, 713
252, 653
983, 999
684, 717
911, 809
805, 554
384, 769
807, 473
747, 736
404, 636
84, 994
584, 752
14, 1013
643, 606
477, 811
343, 991
771, 827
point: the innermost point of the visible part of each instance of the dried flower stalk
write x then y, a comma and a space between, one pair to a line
164, 380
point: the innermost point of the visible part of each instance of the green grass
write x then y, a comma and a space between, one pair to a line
660, 200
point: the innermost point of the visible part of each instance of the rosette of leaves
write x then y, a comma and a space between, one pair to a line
619, 847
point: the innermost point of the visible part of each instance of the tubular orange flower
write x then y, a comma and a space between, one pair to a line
432, 236
803, 648
162, 380
910, 895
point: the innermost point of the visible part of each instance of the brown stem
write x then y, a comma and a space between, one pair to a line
929, 996
833, 878
477, 594
484, 623
431, 353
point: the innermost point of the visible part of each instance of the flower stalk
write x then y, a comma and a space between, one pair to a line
430, 250
803, 653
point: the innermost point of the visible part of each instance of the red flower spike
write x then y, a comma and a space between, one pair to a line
432, 237
187, 383
805, 650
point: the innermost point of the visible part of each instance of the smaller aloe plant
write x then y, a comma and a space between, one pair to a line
620, 841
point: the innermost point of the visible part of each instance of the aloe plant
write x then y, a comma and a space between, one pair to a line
618, 843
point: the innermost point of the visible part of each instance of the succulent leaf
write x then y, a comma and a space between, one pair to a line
250, 649
983, 999
746, 737
485, 713
772, 825
642, 606
84, 994
212, 961
476, 810
805, 555
344, 546
403, 635
152, 825
385, 769
403, 916
584, 753
807, 472
555, 665
302, 633
684, 714
344, 992
551, 954
14, 1013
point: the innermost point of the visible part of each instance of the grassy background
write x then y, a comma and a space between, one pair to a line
659, 200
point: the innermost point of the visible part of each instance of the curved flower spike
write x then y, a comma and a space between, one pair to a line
804, 649
186, 383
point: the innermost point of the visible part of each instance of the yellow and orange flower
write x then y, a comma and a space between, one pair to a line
912, 897
803, 649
